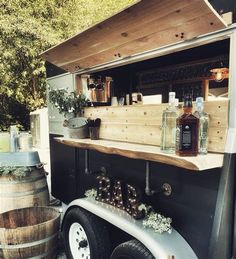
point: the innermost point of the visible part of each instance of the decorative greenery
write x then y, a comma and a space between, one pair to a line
27, 28
18, 172
154, 220
67, 103
92, 193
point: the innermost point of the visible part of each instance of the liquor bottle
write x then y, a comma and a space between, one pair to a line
187, 130
168, 133
203, 126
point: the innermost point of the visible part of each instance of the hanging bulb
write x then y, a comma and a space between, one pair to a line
219, 76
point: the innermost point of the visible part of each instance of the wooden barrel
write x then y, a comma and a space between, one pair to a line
29, 191
29, 233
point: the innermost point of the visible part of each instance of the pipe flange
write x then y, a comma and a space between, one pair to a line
167, 189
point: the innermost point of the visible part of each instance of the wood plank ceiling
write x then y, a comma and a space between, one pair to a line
147, 25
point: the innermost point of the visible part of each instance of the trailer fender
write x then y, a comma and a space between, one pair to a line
162, 246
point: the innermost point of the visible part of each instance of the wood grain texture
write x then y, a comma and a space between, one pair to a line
29, 191
29, 233
144, 26
146, 152
142, 123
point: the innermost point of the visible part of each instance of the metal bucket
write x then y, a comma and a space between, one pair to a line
76, 128
19, 158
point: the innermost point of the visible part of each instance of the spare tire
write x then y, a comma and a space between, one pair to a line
132, 249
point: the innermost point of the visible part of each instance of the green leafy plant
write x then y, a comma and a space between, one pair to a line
68, 103
14, 171
27, 28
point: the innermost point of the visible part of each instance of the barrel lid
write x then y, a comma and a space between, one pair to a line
30, 158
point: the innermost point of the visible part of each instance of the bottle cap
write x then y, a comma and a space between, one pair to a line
199, 102
188, 101
171, 97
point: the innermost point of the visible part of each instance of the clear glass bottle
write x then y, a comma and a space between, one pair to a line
203, 126
13, 138
168, 133
187, 131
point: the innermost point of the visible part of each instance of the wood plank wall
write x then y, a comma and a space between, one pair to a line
142, 123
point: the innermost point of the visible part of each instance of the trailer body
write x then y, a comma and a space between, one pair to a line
199, 193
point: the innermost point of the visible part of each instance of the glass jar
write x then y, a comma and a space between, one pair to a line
25, 142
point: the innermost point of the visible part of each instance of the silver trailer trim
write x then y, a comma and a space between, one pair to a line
160, 245
230, 146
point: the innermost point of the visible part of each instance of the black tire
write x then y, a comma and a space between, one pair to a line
132, 249
95, 230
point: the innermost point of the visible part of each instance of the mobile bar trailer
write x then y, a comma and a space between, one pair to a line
151, 47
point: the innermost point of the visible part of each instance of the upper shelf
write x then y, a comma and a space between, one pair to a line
144, 26
146, 152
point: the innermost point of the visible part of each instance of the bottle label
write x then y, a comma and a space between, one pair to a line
186, 143
178, 129
173, 138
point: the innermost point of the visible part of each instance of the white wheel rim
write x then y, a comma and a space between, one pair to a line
78, 241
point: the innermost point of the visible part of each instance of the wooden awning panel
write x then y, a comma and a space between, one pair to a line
148, 24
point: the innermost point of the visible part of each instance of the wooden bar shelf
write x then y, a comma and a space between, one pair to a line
146, 152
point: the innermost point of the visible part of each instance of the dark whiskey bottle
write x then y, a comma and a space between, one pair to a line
187, 131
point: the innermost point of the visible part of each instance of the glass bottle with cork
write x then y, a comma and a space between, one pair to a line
187, 130
203, 126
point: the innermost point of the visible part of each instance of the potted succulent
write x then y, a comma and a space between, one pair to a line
71, 105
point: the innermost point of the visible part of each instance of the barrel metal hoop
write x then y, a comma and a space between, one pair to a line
19, 194
26, 245
52, 251
33, 179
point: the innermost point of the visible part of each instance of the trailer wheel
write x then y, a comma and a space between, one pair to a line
132, 249
85, 236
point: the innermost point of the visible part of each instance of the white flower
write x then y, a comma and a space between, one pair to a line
92, 193
152, 220
157, 222
144, 207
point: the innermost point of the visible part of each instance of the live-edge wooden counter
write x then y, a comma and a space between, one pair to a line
146, 152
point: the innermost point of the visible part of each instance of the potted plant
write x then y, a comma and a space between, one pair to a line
71, 105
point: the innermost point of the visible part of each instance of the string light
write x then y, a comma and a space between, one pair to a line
113, 194
219, 74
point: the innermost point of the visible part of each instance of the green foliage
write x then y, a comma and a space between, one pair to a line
28, 27
67, 102
14, 171
13, 111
